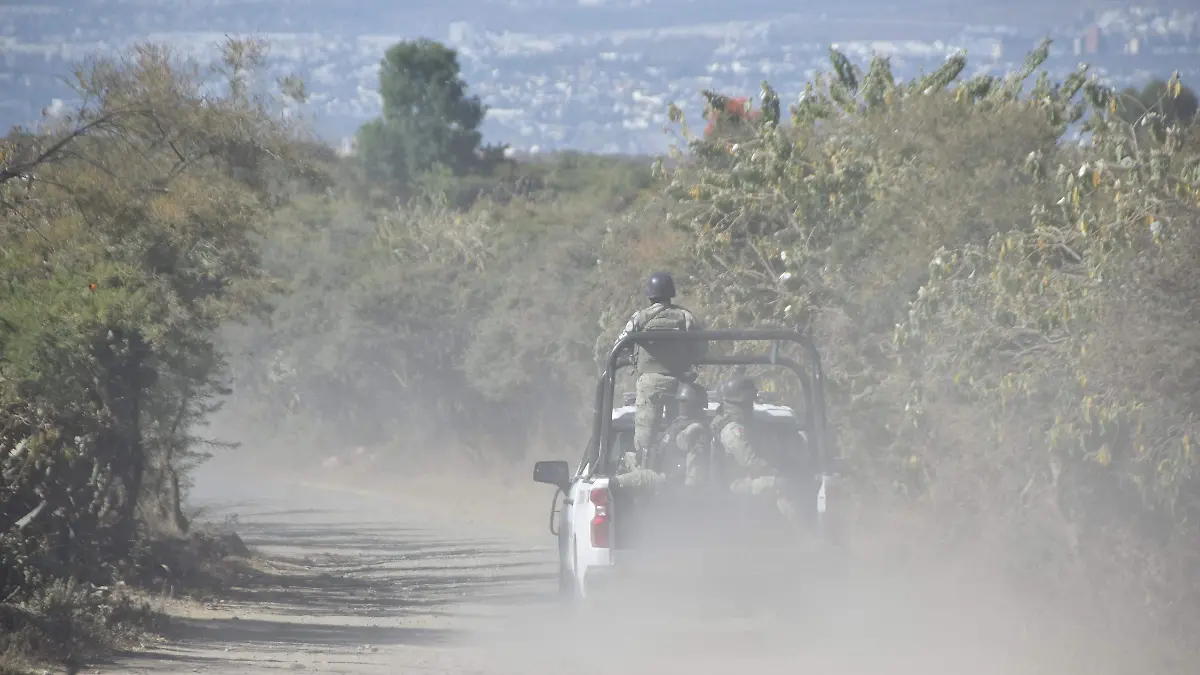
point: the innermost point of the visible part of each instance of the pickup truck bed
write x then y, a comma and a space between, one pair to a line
688, 546
696, 520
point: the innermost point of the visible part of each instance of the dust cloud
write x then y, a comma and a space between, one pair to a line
856, 609
827, 615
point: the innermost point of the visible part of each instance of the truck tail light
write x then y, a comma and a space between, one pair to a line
600, 529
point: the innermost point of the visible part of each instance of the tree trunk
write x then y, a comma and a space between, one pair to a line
176, 498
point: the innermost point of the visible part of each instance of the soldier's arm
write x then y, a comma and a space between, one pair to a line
691, 439
639, 479
630, 326
628, 462
694, 442
733, 437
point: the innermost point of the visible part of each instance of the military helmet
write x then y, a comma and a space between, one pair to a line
690, 394
661, 286
737, 390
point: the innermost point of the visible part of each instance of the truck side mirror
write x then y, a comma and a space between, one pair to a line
553, 472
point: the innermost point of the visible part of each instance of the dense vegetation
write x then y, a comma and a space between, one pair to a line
129, 234
1006, 311
1009, 316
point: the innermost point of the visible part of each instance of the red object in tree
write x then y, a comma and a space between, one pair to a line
735, 113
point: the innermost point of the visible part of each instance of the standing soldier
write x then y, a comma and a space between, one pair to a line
660, 366
748, 473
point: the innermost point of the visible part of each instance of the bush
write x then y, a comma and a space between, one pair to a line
1007, 314
438, 322
128, 235
72, 623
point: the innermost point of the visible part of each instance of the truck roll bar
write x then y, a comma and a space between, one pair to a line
812, 383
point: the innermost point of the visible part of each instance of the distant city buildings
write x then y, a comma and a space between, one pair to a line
1138, 32
598, 89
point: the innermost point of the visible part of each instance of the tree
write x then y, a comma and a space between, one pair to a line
128, 241
732, 119
727, 116
428, 119
1171, 99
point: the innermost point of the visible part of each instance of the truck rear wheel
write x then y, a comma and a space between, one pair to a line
568, 590
566, 582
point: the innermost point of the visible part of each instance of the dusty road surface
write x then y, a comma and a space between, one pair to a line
363, 584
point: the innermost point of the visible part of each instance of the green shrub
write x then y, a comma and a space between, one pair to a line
1006, 313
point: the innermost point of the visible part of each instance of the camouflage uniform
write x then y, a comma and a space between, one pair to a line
749, 474
683, 452
634, 476
660, 367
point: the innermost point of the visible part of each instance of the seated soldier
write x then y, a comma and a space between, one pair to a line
683, 449
681, 452
746, 470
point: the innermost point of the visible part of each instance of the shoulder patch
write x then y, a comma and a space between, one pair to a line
734, 432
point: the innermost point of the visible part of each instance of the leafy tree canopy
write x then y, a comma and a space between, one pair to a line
428, 119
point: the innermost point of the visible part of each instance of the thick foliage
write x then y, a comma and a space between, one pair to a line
1008, 315
438, 324
126, 240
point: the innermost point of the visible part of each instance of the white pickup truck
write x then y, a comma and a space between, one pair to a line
602, 531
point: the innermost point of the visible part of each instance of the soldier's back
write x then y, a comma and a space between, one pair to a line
671, 357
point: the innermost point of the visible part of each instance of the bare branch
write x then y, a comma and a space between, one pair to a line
51, 153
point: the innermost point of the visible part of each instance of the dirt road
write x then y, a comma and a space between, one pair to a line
365, 585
